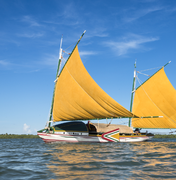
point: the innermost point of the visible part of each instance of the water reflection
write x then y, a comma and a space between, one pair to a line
157, 160
113, 160
74, 161
33, 159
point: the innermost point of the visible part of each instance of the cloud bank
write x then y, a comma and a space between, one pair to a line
132, 42
26, 129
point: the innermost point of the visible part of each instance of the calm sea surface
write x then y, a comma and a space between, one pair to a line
33, 159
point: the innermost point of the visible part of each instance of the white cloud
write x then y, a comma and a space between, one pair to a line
4, 63
97, 32
140, 13
132, 42
26, 128
31, 35
85, 53
50, 60
30, 21
69, 11
8, 65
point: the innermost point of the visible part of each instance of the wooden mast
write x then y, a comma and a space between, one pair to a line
57, 75
133, 91
58, 67
132, 94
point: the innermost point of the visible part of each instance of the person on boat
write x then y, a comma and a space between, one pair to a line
137, 131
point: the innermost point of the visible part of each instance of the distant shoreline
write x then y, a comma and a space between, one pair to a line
31, 136
164, 136
18, 136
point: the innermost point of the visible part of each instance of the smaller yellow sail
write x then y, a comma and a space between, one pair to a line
78, 97
156, 97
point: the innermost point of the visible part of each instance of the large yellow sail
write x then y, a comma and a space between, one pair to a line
156, 97
78, 97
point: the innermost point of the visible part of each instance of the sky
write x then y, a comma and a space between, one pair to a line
118, 33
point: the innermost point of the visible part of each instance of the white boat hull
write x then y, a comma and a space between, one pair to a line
47, 137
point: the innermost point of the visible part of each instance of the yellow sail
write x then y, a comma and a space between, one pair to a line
156, 97
78, 97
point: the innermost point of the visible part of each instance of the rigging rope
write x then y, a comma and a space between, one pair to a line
151, 69
71, 45
143, 73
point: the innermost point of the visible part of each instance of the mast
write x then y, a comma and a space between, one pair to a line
132, 94
167, 63
57, 74
133, 91
58, 67
154, 74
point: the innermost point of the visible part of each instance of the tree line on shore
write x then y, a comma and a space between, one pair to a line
13, 136
17, 136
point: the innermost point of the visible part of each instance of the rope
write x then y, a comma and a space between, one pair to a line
66, 52
110, 121
143, 73
71, 45
151, 69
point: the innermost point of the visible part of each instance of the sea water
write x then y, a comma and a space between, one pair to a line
34, 159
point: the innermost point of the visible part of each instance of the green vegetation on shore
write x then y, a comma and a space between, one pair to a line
164, 136
13, 136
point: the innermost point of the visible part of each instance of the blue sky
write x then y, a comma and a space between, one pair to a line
117, 33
